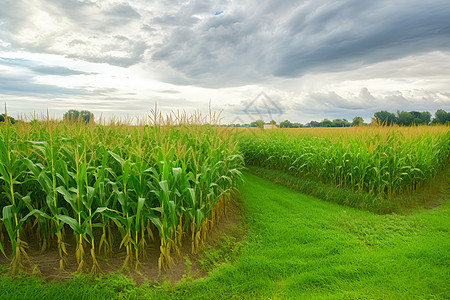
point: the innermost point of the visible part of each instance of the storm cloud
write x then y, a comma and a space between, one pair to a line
316, 58
292, 38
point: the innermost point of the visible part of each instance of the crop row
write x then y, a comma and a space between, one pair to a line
385, 162
146, 184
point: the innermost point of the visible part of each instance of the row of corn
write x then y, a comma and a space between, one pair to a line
112, 187
381, 160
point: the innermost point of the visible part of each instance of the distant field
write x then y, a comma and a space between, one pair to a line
383, 161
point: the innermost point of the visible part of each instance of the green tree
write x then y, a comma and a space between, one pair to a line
273, 122
75, 115
384, 117
340, 123
313, 124
325, 123
87, 116
286, 124
260, 123
357, 121
426, 117
72, 115
11, 119
405, 118
441, 117
257, 123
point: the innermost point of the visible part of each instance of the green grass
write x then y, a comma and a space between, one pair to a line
299, 247
362, 200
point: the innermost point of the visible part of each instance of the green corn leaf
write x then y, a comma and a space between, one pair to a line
71, 222
154, 219
7, 215
141, 202
3, 251
31, 213
4, 173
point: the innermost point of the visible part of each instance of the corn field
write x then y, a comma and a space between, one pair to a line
163, 182
385, 161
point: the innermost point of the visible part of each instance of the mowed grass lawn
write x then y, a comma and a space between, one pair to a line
303, 248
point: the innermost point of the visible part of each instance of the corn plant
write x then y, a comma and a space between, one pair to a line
382, 161
12, 170
173, 177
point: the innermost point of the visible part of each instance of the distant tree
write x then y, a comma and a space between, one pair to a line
297, 125
340, 123
384, 117
75, 115
257, 123
441, 117
72, 115
313, 124
418, 121
405, 118
87, 116
357, 121
260, 123
415, 114
325, 123
421, 117
286, 124
3, 118
273, 122
336, 123
425, 116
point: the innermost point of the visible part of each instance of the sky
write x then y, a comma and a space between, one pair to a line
256, 59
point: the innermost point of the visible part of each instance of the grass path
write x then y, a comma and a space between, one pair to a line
304, 248
299, 246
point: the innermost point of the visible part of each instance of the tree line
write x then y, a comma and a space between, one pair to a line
402, 118
383, 117
405, 118
72, 115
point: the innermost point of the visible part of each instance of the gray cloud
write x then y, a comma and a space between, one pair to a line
359, 32
288, 39
41, 69
168, 92
307, 54
332, 105
25, 85
87, 30
56, 70
249, 42
124, 11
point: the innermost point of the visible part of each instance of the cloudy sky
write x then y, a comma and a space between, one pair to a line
297, 60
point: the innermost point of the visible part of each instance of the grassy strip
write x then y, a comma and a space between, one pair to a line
361, 200
426, 197
298, 247
226, 250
